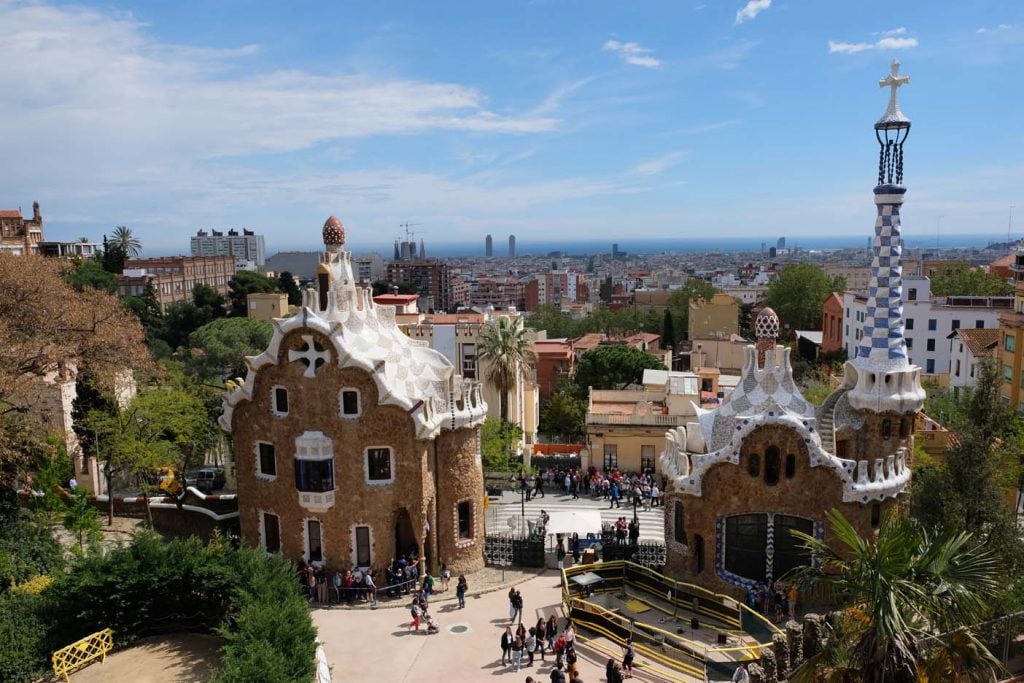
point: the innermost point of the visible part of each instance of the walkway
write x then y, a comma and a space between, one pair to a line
507, 507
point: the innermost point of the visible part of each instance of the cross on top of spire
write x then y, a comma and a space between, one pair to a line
893, 115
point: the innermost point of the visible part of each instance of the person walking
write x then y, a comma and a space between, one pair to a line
538, 486
614, 496
531, 644
460, 591
428, 586
512, 604
627, 659
551, 631
517, 607
560, 552
540, 629
506, 645
446, 577
416, 612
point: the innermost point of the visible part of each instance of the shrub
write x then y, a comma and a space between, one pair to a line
25, 637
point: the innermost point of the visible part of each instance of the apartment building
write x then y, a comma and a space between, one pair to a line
173, 277
244, 247
20, 235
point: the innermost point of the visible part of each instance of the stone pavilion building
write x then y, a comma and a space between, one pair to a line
355, 444
766, 462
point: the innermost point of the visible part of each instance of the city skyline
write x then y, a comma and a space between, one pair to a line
728, 119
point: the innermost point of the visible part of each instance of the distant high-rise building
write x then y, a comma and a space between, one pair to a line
781, 244
511, 246
423, 249
488, 246
245, 247
615, 250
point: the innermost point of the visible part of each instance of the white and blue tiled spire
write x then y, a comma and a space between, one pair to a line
880, 376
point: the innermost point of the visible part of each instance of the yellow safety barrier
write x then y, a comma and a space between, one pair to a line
82, 652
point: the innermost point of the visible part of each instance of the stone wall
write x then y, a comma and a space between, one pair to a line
460, 479
731, 490
314, 406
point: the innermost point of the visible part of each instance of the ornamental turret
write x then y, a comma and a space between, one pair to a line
880, 378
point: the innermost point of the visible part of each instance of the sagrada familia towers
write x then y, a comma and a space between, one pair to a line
766, 461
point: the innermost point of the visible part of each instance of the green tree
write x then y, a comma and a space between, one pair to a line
146, 308
287, 284
123, 238
113, 257
27, 546
242, 284
210, 303
499, 442
679, 303
668, 332
613, 366
90, 274
557, 324
506, 347
82, 520
218, 348
565, 414
961, 279
797, 293
897, 592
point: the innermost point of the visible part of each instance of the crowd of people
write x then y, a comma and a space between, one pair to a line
642, 489
777, 601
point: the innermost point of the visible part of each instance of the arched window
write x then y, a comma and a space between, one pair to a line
754, 465
790, 465
772, 465
886, 429
678, 528
698, 553
876, 515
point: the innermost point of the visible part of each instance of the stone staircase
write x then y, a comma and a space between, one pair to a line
826, 421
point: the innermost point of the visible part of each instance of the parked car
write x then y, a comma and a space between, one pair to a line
207, 479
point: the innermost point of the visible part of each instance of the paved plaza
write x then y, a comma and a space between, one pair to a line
376, 645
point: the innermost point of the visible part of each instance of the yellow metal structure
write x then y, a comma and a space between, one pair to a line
82, 652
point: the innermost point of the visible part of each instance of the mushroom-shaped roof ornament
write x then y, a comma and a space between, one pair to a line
334, 234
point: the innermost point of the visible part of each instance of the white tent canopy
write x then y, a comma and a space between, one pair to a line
581, 522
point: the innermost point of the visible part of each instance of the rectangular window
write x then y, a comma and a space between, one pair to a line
378, 464
933, 324
281, 400
910, 343
611, 456
955, 325
910, 323
1007, 374
465, 512
349, 403
362, 546
930, 345
1009, 342
469, 361
268, 460
957, 372
647, 458
314, 476
314, 545
929, 366
979, 324
271, 533
912, 294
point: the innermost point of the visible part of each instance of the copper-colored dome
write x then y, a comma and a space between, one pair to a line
334, 232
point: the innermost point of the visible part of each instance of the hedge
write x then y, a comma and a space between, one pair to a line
154, 586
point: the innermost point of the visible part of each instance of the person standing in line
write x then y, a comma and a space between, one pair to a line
517, 605
371, 588
551, 631
560, 552
531, 644
506, 645
517, 651
539, 629
460, 591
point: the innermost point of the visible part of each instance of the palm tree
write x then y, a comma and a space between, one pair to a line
126, 241
906, 596
508, 349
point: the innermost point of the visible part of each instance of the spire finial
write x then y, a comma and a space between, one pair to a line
893, 81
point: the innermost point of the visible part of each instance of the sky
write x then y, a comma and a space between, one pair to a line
590, 121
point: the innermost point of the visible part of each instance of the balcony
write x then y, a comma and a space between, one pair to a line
316, 501
649, 420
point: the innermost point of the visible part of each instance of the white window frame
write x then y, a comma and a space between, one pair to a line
464, 542
305, 540
263, 531
366, 467
341, 404
260, 474
355, 549
273, 400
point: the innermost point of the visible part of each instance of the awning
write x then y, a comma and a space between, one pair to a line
581, 522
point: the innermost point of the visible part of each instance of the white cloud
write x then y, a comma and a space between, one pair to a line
656, 166
632, 53
895, 32
751, 10
890, 42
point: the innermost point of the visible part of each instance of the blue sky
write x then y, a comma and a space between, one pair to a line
567, 120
